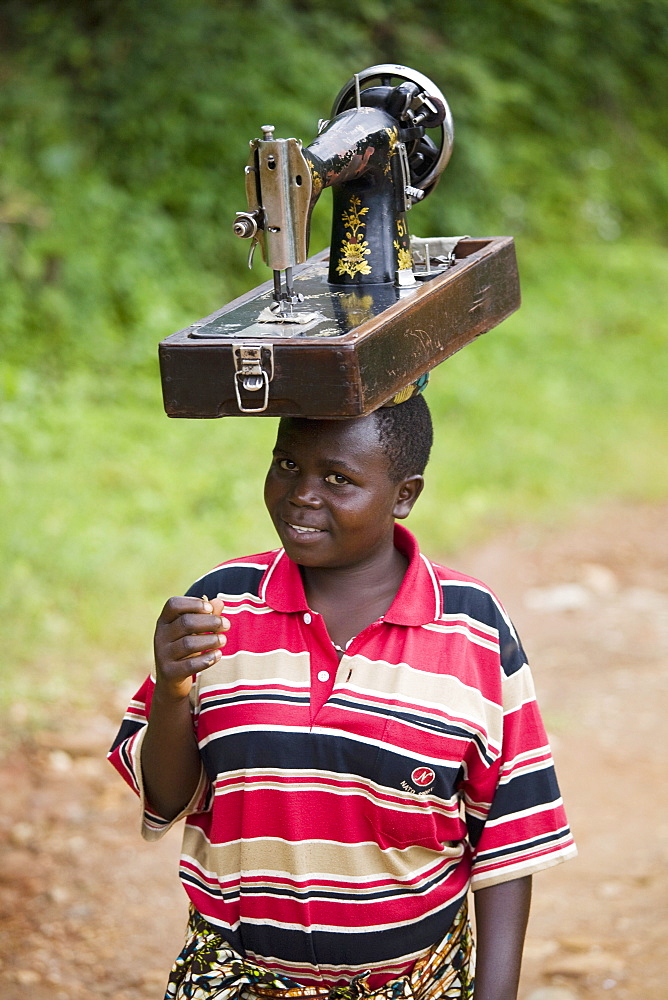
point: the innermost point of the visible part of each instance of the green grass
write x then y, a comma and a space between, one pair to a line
109, 507
565, 402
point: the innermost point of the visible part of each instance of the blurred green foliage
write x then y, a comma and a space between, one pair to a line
125, 124
123, 137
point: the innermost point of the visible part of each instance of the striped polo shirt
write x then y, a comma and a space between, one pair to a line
345, 808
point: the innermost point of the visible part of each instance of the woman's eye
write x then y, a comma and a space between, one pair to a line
286, 464
336, 478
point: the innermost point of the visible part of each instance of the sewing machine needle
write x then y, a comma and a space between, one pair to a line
277, 286
289, 286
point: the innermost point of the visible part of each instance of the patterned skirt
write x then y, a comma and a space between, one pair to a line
208, 969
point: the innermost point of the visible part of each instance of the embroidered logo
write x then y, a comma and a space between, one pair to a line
423, 776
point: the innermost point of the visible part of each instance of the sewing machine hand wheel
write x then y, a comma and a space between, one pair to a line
427, 156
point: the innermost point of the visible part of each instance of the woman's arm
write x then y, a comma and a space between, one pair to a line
501, 913
186, 631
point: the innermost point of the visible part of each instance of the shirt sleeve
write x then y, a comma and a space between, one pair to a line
125, 756
514, 812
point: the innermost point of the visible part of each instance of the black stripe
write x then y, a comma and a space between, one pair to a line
303, 751
524, 845
524, 792
357, 893
442, 728
481, 606
128, 728
363, 948
233, 580
226, 701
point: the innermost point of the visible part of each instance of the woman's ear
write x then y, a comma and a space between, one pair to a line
408, 491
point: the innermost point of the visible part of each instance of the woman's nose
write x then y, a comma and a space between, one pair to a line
304, 494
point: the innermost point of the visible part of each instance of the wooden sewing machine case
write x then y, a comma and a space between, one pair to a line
361, 346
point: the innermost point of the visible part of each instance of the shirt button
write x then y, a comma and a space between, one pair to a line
307, 619
323, 676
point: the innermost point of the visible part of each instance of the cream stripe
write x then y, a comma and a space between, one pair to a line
526, 867
518, 689
401, 681
533, 760
252, 609
360, 862
279, 666
473, 622
465, 631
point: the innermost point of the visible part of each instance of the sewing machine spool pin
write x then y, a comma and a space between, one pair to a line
358, 96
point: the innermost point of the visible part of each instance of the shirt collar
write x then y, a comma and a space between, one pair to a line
418, 601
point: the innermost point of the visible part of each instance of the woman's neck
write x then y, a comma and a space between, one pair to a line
350, 598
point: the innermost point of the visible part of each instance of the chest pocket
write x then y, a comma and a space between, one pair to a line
417, 802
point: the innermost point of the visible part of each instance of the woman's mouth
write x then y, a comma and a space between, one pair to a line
302, 529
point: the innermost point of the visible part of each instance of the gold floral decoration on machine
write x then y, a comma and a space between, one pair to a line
354, 248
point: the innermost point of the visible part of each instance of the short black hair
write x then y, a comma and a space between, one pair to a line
406, 435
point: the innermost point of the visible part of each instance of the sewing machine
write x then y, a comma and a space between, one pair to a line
340, 333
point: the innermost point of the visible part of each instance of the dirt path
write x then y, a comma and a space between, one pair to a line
88, 910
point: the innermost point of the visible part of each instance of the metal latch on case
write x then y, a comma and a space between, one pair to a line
254, 364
